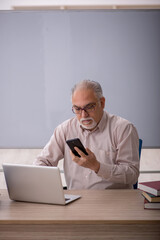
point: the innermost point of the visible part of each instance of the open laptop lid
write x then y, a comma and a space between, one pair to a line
40, 184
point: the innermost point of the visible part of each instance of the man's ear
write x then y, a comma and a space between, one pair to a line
102, 100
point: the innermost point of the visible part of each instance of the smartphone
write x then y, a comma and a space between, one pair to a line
76, 143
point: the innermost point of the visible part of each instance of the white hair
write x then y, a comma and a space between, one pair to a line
89, 84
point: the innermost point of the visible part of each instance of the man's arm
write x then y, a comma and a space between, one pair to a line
125, 168
52, 152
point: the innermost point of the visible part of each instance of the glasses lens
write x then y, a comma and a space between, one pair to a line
76, 110
89, 108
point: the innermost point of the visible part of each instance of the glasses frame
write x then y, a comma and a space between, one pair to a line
85, 108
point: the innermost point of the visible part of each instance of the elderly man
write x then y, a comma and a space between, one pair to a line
110, 141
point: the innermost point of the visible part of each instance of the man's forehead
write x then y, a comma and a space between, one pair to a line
83, 96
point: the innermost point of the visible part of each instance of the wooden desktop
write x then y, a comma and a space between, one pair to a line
108, 214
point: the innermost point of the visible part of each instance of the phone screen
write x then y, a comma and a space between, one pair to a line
76, 143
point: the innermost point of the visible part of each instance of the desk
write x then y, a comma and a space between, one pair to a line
108, 214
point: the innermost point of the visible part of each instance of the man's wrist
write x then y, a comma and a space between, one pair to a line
97, 167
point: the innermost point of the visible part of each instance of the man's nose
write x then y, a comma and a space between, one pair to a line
84, 113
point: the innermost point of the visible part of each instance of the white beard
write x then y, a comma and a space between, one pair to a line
90, 125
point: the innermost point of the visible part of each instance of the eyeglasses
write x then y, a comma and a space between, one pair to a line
88, 108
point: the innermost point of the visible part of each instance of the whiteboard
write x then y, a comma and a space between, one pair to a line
44, 53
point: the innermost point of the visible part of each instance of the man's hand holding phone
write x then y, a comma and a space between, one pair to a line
83, 160
87, 161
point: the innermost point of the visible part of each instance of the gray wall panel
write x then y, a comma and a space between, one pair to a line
42, 54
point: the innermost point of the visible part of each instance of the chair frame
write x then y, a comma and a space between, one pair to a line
140, 148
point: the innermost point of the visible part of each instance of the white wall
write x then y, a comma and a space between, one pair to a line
21, 156
150, 161
65, 4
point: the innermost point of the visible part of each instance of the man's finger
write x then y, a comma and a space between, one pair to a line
73, 156
82, 154
88, 151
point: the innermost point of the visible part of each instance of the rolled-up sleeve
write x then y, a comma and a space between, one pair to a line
52, 152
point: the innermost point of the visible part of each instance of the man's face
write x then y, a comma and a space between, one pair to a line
86, 99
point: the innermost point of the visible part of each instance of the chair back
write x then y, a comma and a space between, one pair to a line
140, 148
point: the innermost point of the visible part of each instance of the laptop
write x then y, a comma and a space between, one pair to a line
40, 184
